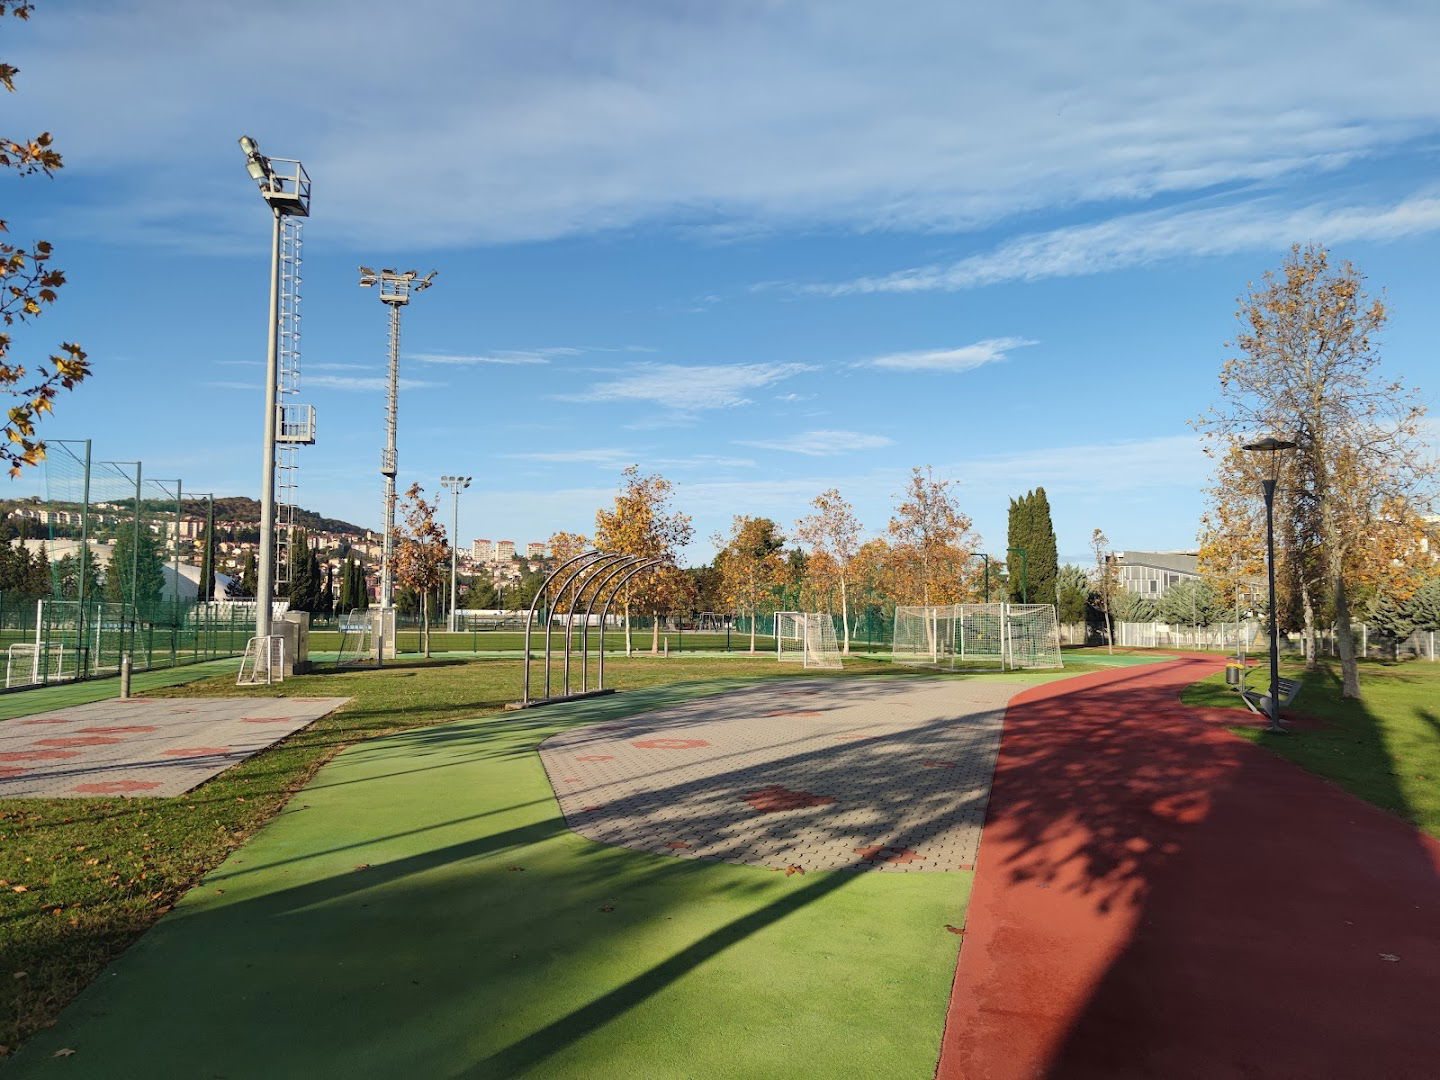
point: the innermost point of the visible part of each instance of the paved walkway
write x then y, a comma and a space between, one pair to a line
143, 746
825, 774
1157, 898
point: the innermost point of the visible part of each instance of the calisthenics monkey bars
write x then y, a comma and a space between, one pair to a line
589, 576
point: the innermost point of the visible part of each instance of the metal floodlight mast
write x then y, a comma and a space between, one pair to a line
395, 290
1273, 447
285, 186
454, 485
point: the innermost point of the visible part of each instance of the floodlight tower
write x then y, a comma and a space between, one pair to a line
285, 186
395, 290
454, 485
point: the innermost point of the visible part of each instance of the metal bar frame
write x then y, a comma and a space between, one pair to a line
605, 611
575, 574
530, 619
614, 571
605, 559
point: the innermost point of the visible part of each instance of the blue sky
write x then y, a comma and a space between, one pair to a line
763, 247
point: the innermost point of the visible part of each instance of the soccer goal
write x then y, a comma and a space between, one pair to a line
807, 638
977, 637
355, 647
790, 636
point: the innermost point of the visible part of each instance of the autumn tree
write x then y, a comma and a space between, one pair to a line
1106, 582
1304, 366
28, 285
750, 564
642, 522
931, 545
832, 533
422, 554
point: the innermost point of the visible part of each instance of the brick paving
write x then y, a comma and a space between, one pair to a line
822, 774
143, 746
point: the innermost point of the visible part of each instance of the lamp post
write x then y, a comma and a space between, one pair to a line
285, 186
395, 290
1024, 573
1273, 447
454, 485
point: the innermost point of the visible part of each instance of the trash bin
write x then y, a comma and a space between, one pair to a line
1234, 674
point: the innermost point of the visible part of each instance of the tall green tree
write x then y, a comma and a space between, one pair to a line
207, 556
1072, 593
69, 572
1031, 529
136, 574
326, 609
1192, 602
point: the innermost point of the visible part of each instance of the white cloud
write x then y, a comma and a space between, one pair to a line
355, 382
1139, 239
726, 116
821, 443
687, 388
502, 356
964, 358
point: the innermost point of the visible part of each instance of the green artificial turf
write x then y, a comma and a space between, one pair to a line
63, 695
519, 966
1384, 748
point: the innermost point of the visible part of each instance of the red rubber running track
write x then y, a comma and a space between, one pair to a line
1155, 897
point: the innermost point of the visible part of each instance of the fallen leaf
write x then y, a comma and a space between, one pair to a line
513, 869
20, 975
363, 866
1389, 957
794, 870
63, 1052
19, 888
955, 929
92, 862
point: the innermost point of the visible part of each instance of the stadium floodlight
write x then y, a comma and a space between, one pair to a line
395, 289
286, 190
1273, 447
454, 485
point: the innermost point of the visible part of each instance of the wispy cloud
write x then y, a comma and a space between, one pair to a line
739, 116
689, 388
964, 358
508, 357
614, 458
1139, 239
821, 443
366, 383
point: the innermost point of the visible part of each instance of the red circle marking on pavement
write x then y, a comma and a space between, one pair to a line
38, 755
83, 740
670, 744
777, 797
196, 751
114, 787
121, 729
886, 854
7, 771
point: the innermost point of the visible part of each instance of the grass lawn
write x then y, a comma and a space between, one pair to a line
1385, 748
438, 951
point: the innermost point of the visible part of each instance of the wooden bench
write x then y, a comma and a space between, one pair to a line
1258, 702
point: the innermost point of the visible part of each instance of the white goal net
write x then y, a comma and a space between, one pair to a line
807, 638
977, 637
790, 636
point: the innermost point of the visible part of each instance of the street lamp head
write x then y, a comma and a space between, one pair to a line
256, 163
1270, 444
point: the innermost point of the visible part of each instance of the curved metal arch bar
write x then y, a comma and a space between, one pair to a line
530, 615
610, 575
592, 568
605, 611
596, 556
